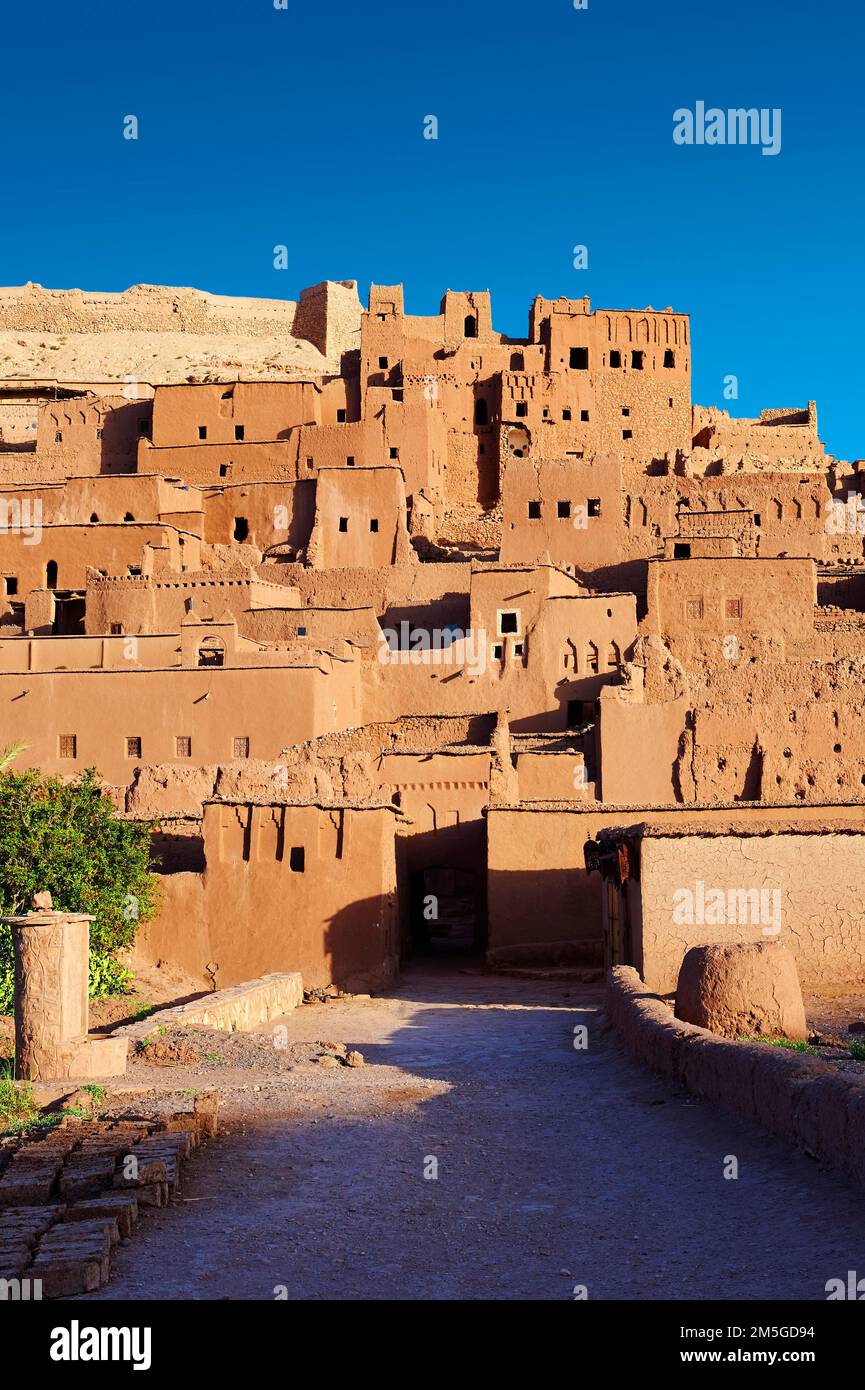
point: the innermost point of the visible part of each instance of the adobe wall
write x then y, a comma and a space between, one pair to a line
334, 920
437, 790
799, 1098
207, 464
778, 439
328, 315
640, 748
539, 891
821, 881
276, 516
692, 602
75, 549
359, 519
233, 412
76, 437
160, 604
270, 706
109, 499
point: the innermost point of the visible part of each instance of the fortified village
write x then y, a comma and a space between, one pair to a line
402, 629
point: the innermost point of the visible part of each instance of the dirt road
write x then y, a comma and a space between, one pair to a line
556, 1168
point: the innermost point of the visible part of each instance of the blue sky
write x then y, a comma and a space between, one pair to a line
304, 127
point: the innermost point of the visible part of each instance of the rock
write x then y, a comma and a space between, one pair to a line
42, 902
328, 1060
354, 1059
750, 989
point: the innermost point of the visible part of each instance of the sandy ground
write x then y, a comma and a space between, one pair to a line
555, 1168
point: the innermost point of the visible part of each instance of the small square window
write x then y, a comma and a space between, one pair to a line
202, 431
534, 511
518, 649
733, 608
566, 415
349, 463
509, 622
394, 453
301, 632
297, 859
58, 437
579, 358
223, 470
183, 746
497, 652
133, 747
669, 358
116, 629
309, 463
238, 432
340, 416
593, 506
241, 746
615, 357
694, 608
626, 410
11, 584
396, 393
382, 362
563, 509
343, 524
681, 550
373, 523
637, 359
522, 408
67, 746
584, 415
627, 434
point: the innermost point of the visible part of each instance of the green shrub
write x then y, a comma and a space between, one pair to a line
66, 837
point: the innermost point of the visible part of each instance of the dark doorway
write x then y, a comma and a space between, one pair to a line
443, 904
68, 615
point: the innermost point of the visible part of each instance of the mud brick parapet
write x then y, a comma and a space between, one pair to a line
797, 1097
242, 1006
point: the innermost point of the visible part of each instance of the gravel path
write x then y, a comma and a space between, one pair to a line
556, 1168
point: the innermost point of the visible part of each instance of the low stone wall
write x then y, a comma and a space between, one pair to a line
793, 1095
240, 1007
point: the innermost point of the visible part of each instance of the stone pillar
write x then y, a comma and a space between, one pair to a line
51, 977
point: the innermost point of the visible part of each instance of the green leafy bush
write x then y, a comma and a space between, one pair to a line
66, 837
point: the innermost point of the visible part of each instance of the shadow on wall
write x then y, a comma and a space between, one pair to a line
359, 948
121, 429
356, 948
546, 915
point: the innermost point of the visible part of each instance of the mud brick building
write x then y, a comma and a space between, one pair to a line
386, 619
